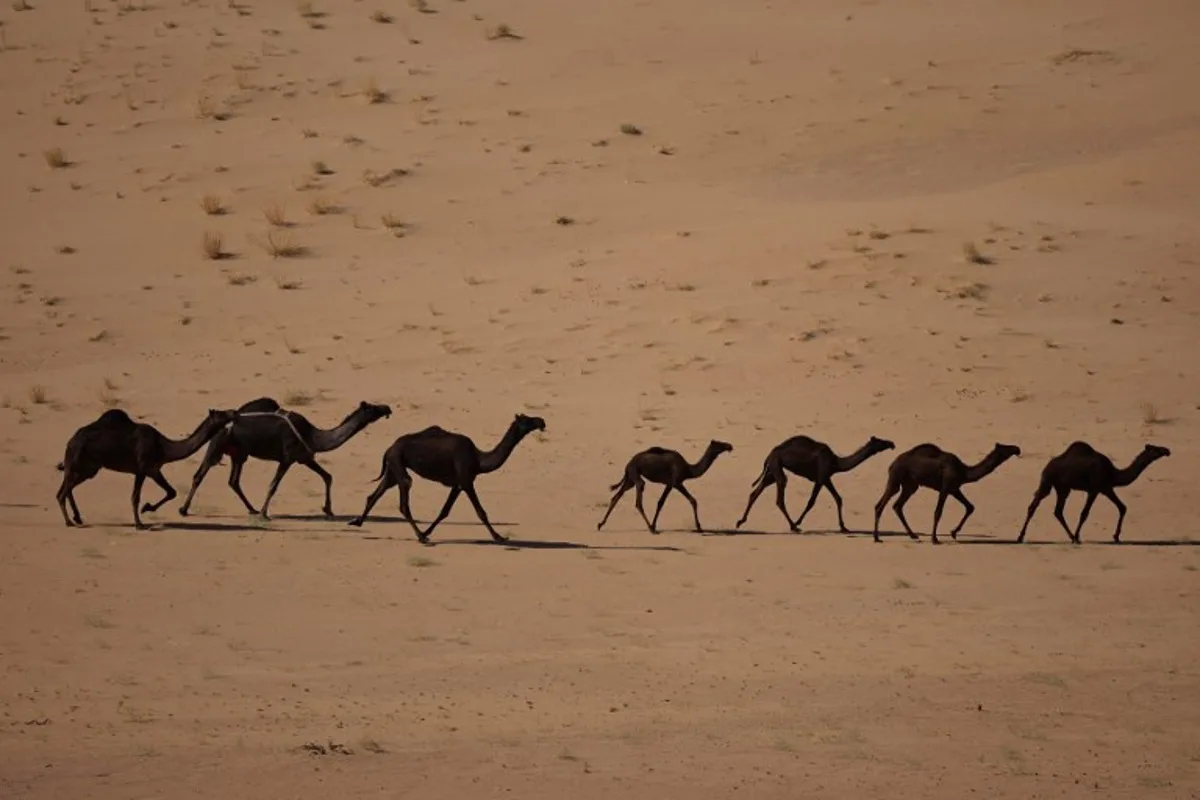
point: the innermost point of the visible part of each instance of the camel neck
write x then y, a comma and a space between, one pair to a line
333, 438
1126, 476
985, 467
179, 449
494, 459
846, 463
706, 461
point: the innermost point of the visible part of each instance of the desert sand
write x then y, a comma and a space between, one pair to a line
650, 224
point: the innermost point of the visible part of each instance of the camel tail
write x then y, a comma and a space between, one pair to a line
382, 469
761, 475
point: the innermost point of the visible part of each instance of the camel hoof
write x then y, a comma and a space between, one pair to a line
183, 512
328, 512
355, 522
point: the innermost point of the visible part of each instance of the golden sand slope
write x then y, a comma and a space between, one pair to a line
649, 223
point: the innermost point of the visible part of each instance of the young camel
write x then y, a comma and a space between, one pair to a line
115, 442
1083, 468
450, 459
813, 460
929, 466
268, 432
660, 465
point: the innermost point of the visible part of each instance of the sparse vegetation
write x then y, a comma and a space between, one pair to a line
421, 561
973, 256
56, 158
377, 179
212, 205
502, 31
321, 206
280, 245
38, 395
1151, 416
240, 279
277, 216
382, 17
213, 246
631, 130
373, 93
298, 397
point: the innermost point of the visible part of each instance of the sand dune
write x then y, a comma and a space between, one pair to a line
650, 224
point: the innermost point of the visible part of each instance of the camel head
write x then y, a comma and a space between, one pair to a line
877, 445
372, 412
527, 425
1006, 451
1155, 452
718, 447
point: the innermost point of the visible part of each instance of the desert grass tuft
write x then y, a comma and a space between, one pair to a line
277, 216
213, 246
279, 245
373, 93
630, 129
321, 206
502, 31
212, 205
1152, 417
973, 256
382, 17
56, 158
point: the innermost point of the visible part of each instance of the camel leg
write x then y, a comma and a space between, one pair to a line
1083, 515
695, 507
403, 488
384, 484
64, 493
937, 515
1060, 504
74, 507
212, 457
837, 499
279, 473
812, 501
1116, 501
235, 483
888, 491
662, 500
469, 489
138, 480
169, 492
960, 497
1038, 496
328, 479
623, 487
639, 491
454, 492
767, 480
906, 493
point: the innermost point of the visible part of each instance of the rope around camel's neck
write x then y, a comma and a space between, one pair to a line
283, 415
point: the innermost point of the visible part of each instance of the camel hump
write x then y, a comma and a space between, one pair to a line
261, 404
114, 417
1080, 449
657, 451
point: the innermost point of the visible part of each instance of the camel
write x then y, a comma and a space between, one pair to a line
115, 442
813, 460
660, 465
929, 466
450, 459
1083, 468
268, 432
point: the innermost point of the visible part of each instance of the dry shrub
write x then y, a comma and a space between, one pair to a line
280, 245
213, 246
502, 31
276, 216
382, 17
972, 255
56, 158
212, 205
320, 207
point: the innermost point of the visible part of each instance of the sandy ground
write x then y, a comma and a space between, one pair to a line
780, 251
